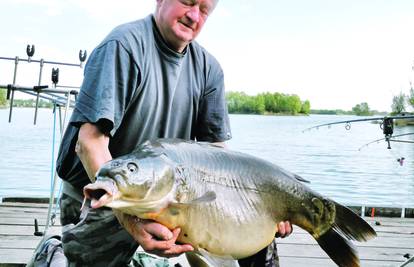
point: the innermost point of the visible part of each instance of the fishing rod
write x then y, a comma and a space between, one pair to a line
50, 94
390, 140
348, 122
386, 124
43, 91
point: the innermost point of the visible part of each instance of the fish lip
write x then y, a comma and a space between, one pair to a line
101, 193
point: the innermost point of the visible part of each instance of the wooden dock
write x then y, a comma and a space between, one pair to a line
392, 247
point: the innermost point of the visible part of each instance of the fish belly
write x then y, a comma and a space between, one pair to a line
222, 228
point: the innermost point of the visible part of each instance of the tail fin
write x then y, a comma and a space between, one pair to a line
340, 250
351, 225
347, 225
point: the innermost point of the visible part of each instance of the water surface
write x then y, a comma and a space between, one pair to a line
328, 157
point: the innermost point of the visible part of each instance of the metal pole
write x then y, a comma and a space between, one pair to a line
16, 63
46, 62
52, 195
38, 92
60, 119
53, 98
410, 260
52, 192
43, 88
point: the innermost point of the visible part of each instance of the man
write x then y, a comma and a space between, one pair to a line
148, 79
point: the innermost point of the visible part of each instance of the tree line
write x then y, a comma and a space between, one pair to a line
27, 103
401, 101
3, 100
399, 105
266, 103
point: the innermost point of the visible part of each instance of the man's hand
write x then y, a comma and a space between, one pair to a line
153, 237
284, 229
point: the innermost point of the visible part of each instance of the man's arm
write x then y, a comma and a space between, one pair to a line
92, 149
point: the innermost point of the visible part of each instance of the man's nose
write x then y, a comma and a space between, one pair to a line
194, 13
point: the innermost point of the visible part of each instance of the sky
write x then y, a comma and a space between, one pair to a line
334, 53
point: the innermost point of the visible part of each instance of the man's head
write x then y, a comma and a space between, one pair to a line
180, 21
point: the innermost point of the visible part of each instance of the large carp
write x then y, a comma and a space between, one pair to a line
227, 204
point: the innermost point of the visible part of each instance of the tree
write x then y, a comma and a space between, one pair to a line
239, 102
305, 109
294, 104
361, 109
235, 101
410, 99
398, 103
3, 100
259, 104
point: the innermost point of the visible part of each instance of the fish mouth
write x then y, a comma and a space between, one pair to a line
101, 193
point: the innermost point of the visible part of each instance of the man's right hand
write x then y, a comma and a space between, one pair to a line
153, 237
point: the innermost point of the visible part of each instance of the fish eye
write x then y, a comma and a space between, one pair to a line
132, 167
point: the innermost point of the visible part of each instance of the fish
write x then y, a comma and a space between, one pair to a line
227, 203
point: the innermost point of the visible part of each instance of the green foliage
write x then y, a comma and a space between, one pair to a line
31, 103
305, 108
3, 101
26, 103
410, 99
362, 109
398, 103
239, 102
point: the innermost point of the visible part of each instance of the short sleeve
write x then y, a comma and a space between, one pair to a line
213, 121
110, 79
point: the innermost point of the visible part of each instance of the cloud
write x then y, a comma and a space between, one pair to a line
50, 7
97, 9
109, 9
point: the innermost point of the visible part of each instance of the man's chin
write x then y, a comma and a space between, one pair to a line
182, 42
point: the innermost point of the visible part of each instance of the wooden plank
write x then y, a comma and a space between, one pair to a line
15, 256
33, 200
26, 220
24, 242
6, 230
365, 253
380, 241
17, 204
18, 215
392, 223
5, 210
381, 231
299, 261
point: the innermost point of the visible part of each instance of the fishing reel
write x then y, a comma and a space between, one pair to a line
387, 127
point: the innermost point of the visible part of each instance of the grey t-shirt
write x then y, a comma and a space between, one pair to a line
136, 88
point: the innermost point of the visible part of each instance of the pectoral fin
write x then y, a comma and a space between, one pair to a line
209, 196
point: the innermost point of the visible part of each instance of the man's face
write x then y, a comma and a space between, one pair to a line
180, 21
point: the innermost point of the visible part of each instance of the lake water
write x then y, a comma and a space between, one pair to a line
329, 157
